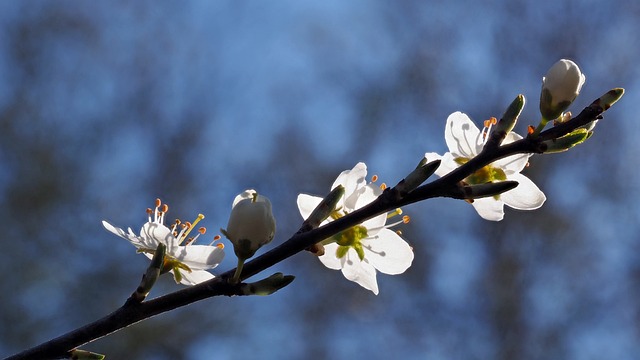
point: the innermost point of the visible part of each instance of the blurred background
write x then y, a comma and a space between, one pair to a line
105, 106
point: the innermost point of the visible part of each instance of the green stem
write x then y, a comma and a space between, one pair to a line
236, 275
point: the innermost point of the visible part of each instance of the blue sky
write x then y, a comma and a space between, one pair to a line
107, 106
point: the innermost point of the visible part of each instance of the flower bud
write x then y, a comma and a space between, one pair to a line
78, 354
251, 224
267, 286
560, 87
564, 143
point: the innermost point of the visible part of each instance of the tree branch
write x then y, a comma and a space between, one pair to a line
447, 186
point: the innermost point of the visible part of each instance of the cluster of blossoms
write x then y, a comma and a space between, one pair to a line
370, 247
465, 141
361, 250
187, 261
560, 87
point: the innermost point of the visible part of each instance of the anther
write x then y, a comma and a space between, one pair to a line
397, 211
165, 208
383, 186
374, 178
149, 211
530, 129
406, 219
158, 203
202, 230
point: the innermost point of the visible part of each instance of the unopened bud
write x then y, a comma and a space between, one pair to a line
151, 275
267, 286
419, 175
560, 87
251, 224
324, 209
566, 142
84, 355
488, 189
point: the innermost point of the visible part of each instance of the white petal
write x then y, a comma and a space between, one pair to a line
513, 164
194, 277
462, 136
360, 272
152, 233
526, 196
198, 257
307, 203
366, 195
388, 252
329, 259
489, 208
133, 238
447, 164
431, 156
352, 179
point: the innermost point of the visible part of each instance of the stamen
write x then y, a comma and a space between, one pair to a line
383, 186
406, 219
215, 238
202, 230
189, 227
397, 211
374, 178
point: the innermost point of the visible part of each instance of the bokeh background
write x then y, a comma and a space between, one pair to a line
105, 106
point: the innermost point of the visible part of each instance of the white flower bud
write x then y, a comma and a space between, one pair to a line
560, 87
251, 223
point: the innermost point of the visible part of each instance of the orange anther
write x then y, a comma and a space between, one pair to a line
165, 208
383, 186
149, 211
202, 230
406, 219
158, 202
217, 237
530, 129
374, 178
220, 245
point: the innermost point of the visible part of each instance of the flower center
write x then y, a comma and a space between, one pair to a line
484, 175
350, 238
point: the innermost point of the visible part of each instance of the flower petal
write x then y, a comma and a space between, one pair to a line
388, 252
134, 239
447, 164
352, 179
526, 196
489, 208
329, 259
360, 272
198, 257
307, 203
152, 233
366, 195
462, 136
195, 277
